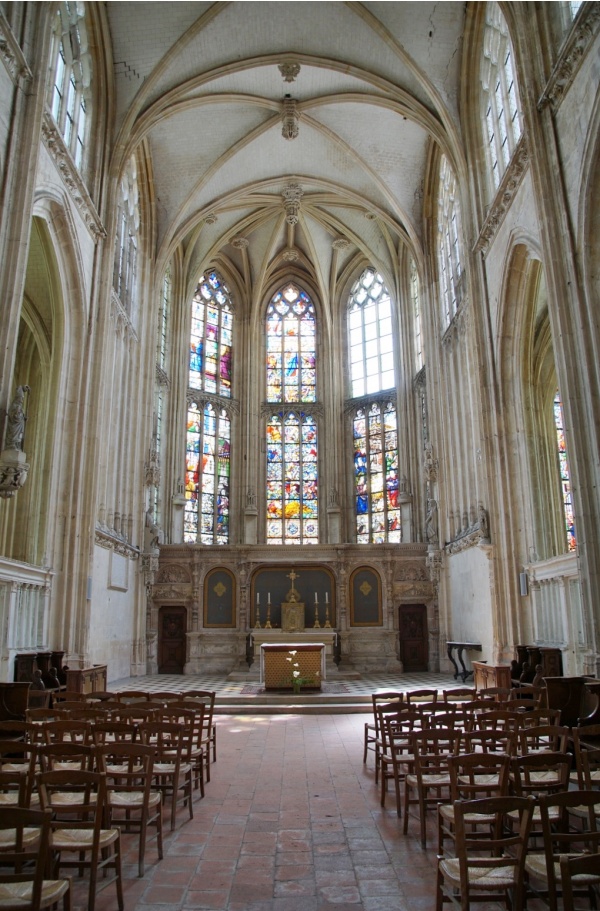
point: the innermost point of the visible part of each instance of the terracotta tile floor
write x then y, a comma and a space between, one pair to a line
291, 821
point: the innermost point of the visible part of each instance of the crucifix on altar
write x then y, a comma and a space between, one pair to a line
292, 610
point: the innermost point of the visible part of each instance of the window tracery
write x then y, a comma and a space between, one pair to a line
501, 108
450, 258
70, 92
565, 476
126, 242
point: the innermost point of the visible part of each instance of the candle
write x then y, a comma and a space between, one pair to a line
326, 598
315, 597
258, 597
269, 598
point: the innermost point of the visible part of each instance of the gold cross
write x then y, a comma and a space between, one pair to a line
293, 575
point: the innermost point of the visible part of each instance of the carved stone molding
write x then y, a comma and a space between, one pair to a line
411, 590
172, 572
366, 401
12, 55
171, 592
457, 329
210, 219
57, 148
313, 408
411, 572
505, 194
200, 399
121, 317
340, 243
110, 540
240, 243
290, 256
475, 534
162, 378
14, 469
571, 57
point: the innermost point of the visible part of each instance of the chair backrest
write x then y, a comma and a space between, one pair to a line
498, 693
114, 731
460, 694
86, 813
21, 853
165, 738
432, 747
490, 741
127, 767
37, 715
540, 774
541, 716
101, 696
197, 710
478, 775
528, 697
135, 713
499, 719
501, 846
67, 696
67, 730
422, 695
165, 697
583, 866
544, 737
127, 697
51, 756
560, 836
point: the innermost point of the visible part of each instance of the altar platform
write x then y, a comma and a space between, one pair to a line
242, 693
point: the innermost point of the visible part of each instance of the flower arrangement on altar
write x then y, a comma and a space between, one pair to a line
298, 681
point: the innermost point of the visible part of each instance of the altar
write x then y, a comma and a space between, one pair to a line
280, 662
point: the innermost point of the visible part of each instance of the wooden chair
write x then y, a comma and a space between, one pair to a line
129, 697
541, 716
172, 773
540, 775
527, 697
104, 732
197, 753
473, 776
560, 837
497, 693
460, 694
490, 741
498, 720
20, 851
488, 867
396, 758
384, 710
575, 872
430, 780
587, 776
132, 804
372, 732
77, 829
209, 733
19, 758
544, 738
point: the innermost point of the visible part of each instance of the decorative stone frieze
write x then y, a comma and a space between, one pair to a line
13, 57
173, 573
411, 572
120, 317
200, 399
571, 56
69, 172
171, 592
471, 535
511, 181
112, 540
162, 378
313, 408
433, 561
14, 469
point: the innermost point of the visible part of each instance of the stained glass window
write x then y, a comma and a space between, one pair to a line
370, 335
292, 482
291, 354
211, 336
206, 517
565, 477
376, 475
292, 486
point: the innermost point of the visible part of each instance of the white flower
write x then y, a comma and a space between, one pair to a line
296, 674
288, 659
294, 652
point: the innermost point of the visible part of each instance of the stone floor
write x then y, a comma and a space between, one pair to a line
291, 821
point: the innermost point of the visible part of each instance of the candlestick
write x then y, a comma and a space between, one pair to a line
327, 624
316, 624
268, 620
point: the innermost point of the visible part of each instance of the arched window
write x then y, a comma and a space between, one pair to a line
370, 335
208, 447
126, 242
291, 433
70, 92
374, 425
452, 276
565, 477
376, 475
501, 109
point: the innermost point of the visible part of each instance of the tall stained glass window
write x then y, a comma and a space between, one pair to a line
206, 518
565, 477
292, 483
211, 336
374, 425
376, 475
292, 488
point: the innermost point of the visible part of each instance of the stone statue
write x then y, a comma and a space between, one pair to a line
431, 524
15, 420
152, 536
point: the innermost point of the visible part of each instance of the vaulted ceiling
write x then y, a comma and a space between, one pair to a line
206, 85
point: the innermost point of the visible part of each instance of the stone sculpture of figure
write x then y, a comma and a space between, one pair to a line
484, 525
15, 420
431, 525
152, 536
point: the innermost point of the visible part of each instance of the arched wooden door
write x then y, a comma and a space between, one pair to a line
172, 625
414, 637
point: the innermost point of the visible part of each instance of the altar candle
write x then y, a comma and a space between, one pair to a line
268, 597
315, 597
258, 597
326, 598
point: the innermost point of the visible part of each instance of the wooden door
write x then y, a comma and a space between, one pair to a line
172, 625
414, 644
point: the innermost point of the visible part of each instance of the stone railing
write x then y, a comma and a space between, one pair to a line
24, 603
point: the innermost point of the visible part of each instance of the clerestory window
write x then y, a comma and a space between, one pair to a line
127, 239
71, 87
565, 476
450, 259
